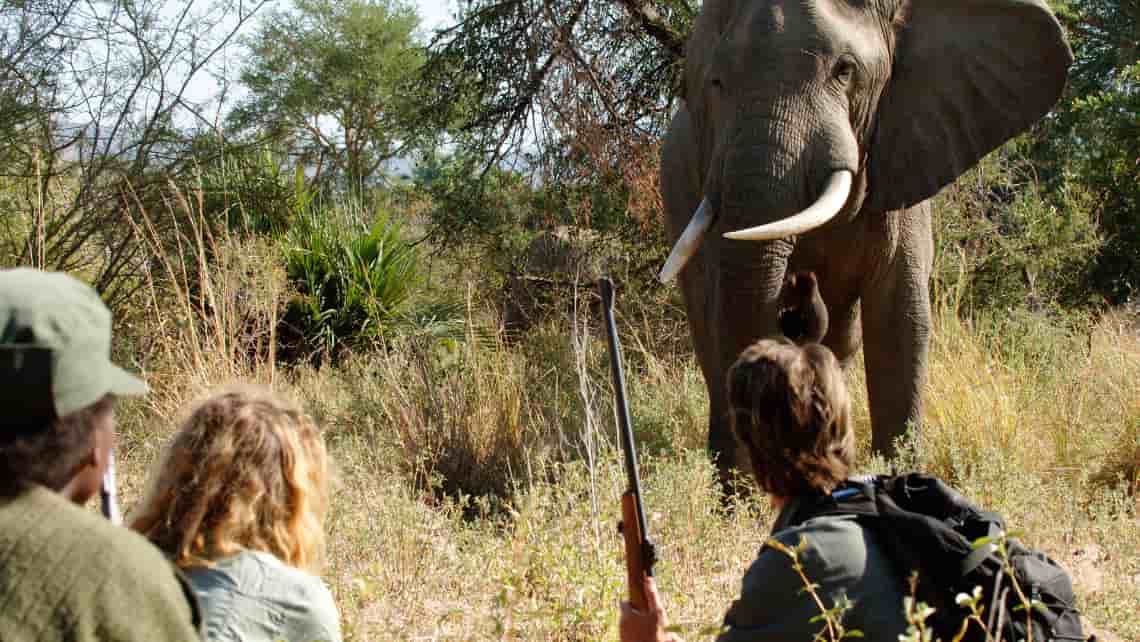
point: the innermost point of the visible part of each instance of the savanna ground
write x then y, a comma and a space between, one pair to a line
478, 479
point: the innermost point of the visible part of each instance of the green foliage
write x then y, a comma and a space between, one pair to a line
352, 280
1108, 122
250, 190
1001, 242
470, 205
333, 80
1089, 149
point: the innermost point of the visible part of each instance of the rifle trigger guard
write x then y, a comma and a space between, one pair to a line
649, 554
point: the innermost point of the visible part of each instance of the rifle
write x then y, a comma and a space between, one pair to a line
640, 553
108, 498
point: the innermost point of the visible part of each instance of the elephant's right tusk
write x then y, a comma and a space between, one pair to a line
823, 210
690, 240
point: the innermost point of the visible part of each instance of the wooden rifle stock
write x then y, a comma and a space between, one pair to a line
639, 552
634, 559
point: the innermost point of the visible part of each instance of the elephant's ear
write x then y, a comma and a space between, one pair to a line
968, 75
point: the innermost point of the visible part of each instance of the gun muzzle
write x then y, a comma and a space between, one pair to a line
108, 496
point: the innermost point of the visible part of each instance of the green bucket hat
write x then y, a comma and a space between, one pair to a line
55, 347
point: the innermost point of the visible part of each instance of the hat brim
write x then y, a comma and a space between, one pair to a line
80, 380
124, 384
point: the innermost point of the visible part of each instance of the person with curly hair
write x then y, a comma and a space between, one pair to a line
66, 573
791, 415
238, 503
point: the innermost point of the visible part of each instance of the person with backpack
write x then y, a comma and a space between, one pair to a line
66, 573
791, 414
867, 543
238, 503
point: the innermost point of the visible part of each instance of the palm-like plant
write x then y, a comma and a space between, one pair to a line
351, 279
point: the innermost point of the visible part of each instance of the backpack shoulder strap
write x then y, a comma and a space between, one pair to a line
853, 497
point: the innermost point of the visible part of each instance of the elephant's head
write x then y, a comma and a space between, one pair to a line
805, 111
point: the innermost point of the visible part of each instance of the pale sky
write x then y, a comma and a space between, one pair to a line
435, 13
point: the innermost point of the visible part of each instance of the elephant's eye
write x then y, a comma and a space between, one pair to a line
844, 70
717, 84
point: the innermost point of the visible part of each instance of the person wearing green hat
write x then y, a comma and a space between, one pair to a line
67, 573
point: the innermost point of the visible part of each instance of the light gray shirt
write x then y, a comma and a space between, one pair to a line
255, 597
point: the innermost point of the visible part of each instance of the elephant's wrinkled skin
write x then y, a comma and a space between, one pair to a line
779, 96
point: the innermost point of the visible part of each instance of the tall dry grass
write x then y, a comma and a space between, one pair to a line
478, 485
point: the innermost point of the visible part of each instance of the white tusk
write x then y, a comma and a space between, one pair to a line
687, 245
823, 210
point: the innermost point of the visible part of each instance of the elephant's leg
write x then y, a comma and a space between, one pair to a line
681, 183
722, 444
896, 332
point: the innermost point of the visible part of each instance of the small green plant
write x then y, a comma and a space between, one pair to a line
916, 615
972, 601
351, 281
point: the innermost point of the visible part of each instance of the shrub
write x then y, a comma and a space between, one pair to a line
351, 280
1000, 243
248, 190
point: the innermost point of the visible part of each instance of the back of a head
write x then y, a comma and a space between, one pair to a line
246, 470
791, 412
67, 572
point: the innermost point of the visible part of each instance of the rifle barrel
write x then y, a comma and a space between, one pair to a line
606, 288
108, 495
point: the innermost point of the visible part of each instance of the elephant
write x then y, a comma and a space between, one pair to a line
810, 136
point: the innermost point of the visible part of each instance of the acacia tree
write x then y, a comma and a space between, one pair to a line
332, 81
507, 66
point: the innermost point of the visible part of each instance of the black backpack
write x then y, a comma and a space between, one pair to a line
928, 527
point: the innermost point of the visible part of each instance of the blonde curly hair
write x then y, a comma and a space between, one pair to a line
246, 470
791, 412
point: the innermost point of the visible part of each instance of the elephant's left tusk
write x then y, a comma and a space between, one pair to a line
823, 210
690, 240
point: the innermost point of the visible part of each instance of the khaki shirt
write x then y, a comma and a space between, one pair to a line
841, 557
68, 575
